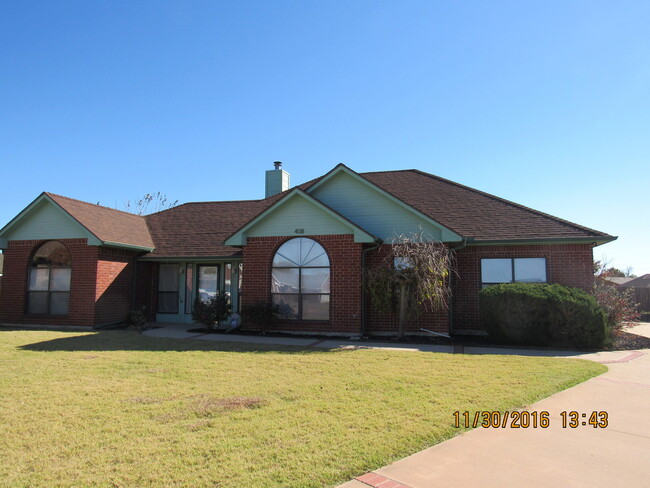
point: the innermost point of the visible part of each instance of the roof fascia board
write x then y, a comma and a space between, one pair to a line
452, 236
93, 240
122, 245
237, 239
597, 241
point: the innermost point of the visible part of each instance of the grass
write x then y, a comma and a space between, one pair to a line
119, 409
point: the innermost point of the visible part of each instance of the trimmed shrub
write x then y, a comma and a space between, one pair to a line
211, 312
543, 315
261, 314
137, 318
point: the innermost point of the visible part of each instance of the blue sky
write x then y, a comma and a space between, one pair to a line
546, 103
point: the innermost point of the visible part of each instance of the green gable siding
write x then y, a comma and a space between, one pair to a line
47, 221
298, 213
372, 210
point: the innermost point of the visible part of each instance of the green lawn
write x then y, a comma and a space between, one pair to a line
121, 409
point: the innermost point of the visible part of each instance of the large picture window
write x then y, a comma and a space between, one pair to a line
49, 280
300, 282
509, 270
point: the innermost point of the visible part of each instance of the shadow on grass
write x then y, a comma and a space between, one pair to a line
127, 340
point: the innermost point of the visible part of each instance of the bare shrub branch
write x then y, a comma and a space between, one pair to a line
415, 272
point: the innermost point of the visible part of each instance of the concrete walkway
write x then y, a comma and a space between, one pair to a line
181, 331
616, 455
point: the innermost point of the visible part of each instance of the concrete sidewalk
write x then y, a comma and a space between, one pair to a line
618, 455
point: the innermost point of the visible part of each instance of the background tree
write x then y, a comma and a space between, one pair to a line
618, 303
149, 203
414, 275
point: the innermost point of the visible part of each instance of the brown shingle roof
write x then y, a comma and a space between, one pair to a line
640, 282
107, 224
199, 229
475, 214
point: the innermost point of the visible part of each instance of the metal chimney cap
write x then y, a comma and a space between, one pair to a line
278, 164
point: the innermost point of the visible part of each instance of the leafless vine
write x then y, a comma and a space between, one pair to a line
414, 274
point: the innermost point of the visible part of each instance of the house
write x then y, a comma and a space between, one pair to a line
641, 290
618, 281
76, 263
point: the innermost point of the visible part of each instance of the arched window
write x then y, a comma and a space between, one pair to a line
49, 280
300, 282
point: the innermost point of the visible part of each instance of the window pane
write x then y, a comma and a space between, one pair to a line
402, 263
312, 254
317, 259
530, 270
168, 302
38, 302
168, 277
189, 288
288, 254
285, 280
59, 303
39, 279
52, 253
315, 280
288, 305
208, 282
60, 279
496, 270
316, 307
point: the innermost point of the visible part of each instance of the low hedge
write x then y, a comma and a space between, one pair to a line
543, 315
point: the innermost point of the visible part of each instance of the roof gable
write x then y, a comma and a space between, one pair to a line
113, 227
52, 216
44, 219
297, 213
374, 208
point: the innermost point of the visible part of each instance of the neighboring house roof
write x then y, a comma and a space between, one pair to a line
108, 225
640, 282
618, 280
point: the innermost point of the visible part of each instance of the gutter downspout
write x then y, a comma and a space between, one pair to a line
450, 316
378, 243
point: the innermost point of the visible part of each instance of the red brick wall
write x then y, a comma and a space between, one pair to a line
345, 281
146, 292
13, 299
114, 290
566, 264
388, 323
